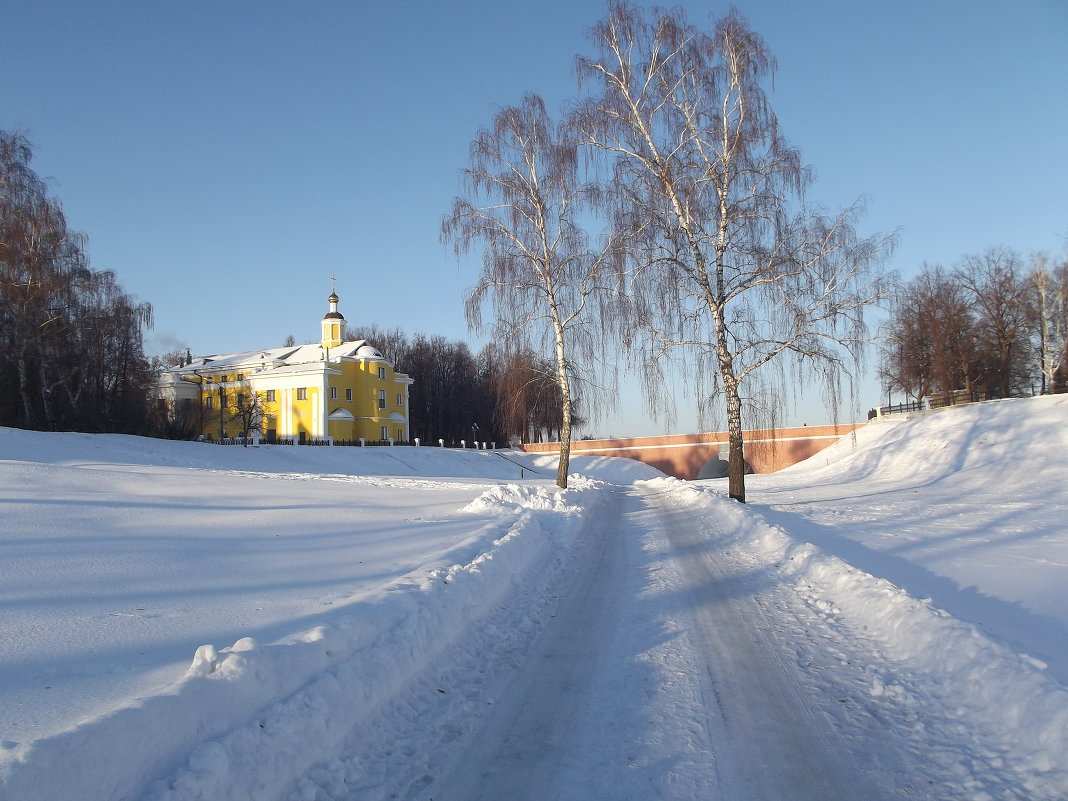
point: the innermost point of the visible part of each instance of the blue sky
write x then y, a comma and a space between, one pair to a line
225, 159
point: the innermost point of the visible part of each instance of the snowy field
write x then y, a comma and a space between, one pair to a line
190, 621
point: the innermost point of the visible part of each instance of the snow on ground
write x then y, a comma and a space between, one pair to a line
967, 507
183, 620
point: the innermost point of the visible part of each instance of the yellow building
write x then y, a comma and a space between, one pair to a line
332, 391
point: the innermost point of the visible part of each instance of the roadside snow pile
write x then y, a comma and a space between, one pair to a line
607, 468
929, 653
292, 701
508, 497
965, 506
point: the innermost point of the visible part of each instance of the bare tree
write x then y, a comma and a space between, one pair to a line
709, 197
247, 410
1048, 313
71, 350
528, 399
929, 340
392, 344
995, 282
522, 204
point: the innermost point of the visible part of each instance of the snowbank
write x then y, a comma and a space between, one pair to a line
1005, 693
964, 506
255, 715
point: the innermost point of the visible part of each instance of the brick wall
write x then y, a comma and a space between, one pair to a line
683, 455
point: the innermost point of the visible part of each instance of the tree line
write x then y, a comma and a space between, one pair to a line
994, 326
71, 355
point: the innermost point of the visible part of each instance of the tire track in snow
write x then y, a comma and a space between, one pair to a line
654, 678
597, 706
653, 669
528, 745
769, 741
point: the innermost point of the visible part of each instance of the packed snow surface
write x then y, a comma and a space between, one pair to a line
192, 621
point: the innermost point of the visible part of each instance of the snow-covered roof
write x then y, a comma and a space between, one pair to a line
281, 358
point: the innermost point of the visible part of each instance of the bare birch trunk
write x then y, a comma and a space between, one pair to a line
21, 366
735, 440
564, 382
565, 430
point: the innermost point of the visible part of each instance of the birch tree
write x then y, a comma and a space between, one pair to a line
1048, 308
522, 204
708, 195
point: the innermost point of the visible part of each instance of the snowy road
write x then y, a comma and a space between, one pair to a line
671, 664
655, 674
769, 740
722, 718
550, 720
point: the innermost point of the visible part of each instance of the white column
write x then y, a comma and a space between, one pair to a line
285, 414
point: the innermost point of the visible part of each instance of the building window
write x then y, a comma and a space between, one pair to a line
400, 399
381, 399
208, 402
240, 376
270, 395
302, 393
400, 435
385, 433
348, 394
333, 393
240, 400
382, 373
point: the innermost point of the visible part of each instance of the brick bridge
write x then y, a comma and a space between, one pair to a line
683, 455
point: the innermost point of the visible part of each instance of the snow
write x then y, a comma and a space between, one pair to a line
885, 620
